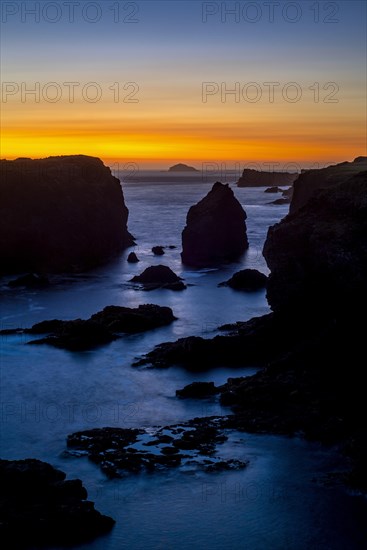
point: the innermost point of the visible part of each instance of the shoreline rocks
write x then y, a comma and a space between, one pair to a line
215, 229
38, 507
119, 452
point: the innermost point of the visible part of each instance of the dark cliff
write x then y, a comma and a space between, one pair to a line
254, 178
318, 254
311, 181
60, 214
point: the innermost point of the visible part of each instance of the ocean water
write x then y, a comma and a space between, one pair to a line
278, 502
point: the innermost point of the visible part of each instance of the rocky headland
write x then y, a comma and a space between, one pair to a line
39, 508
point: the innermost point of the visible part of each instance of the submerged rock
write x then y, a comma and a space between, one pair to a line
38, 507
159, 276
60, 214
247, 279
32, 280
215, 229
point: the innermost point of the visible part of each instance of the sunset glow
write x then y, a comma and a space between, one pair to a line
196, 101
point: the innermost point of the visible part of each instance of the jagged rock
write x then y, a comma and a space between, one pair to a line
215, 229
158, 250
198, 390
32, 280
60, 214
38, 507
120, 451
255, 178
247, 279
159, 276
132, 258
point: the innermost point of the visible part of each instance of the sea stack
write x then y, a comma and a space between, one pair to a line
215, 229
60, 214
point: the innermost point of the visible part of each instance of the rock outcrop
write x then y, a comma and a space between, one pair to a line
100, 329
310, 181
60, 214
132, 258
254, 178
215, 229
247, 279
38, 508
159, 276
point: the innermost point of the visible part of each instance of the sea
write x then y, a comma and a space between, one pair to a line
288, 496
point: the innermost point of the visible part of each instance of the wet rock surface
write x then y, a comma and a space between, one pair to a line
38, 507
102, 327
118, 452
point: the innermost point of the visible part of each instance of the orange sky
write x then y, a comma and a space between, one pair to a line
169, 53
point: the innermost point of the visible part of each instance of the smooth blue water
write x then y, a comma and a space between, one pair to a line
49, 393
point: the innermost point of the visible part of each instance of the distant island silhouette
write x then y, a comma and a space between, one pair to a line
182, 168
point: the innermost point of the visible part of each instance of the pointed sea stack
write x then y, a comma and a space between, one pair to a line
215, 229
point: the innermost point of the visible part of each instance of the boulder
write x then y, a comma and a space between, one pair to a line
39, 508
132, 258
247, 279
159, 276
158, 250
215, 229
60, 214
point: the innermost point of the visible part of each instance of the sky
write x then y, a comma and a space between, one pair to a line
159, 82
